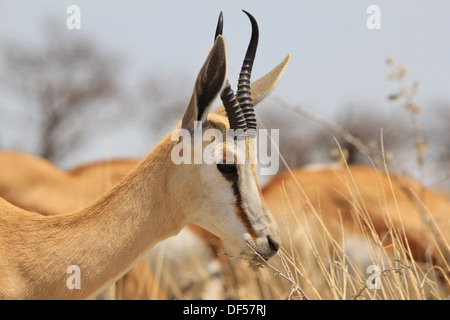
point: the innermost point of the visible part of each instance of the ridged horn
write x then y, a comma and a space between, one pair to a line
233, 109
228, 97
243, 93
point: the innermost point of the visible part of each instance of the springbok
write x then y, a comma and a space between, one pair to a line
26, 179
150, 204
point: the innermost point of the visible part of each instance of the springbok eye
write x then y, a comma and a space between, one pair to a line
227, 168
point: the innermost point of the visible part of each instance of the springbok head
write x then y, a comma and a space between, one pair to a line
228, 201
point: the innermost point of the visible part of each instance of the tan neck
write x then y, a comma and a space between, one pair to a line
103, 240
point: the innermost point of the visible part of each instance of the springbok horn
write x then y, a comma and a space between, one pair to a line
262, 87
219, 28
228, 97
243, 93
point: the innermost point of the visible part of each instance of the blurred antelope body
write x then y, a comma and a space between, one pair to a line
352, 203
150, 204
26, 179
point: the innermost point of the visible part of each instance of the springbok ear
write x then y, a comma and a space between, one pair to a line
261, 88
209, 83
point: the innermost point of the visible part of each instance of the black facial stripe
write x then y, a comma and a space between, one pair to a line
241, 213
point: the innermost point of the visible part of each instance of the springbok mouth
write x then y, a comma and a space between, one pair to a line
257, 254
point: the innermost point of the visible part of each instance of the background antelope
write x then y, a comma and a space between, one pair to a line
361, 198
150, 204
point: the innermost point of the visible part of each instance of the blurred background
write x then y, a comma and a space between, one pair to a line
114, 87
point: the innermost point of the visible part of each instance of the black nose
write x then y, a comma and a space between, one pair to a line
272, 244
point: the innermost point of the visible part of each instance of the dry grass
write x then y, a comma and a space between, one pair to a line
329, 268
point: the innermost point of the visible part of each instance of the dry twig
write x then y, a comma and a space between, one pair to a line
396, 270
259, 261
